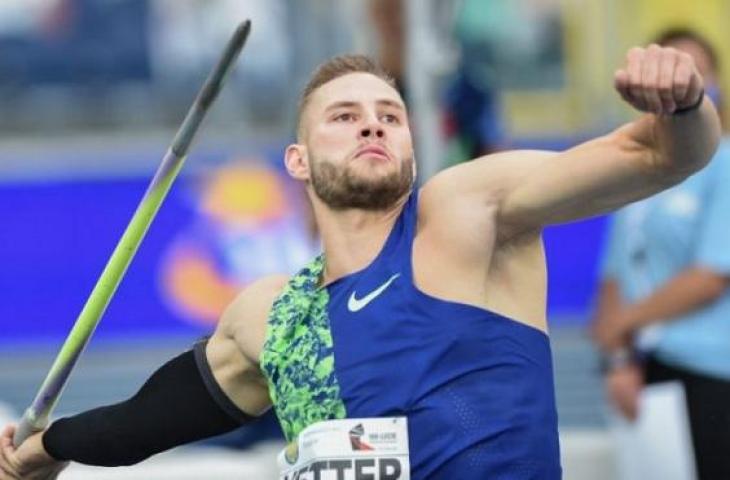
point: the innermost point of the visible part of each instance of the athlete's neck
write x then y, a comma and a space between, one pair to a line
351, 239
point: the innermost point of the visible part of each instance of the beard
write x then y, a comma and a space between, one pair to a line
340, 188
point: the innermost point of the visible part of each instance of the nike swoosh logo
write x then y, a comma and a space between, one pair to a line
354, 304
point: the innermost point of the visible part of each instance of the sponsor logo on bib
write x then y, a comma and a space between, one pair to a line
350, 449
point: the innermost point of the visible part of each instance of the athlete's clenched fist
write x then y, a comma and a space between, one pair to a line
659, 80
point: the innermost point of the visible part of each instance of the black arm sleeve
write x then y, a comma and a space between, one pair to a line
180, 403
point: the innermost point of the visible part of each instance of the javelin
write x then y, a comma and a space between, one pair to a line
36, 416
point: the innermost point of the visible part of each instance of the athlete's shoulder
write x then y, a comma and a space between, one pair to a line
269, 286
253, 303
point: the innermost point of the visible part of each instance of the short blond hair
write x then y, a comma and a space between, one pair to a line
337, 67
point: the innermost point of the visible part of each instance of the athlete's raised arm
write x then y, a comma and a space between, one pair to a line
209, 390
676, 137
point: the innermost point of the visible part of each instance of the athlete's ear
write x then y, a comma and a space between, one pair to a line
296, 160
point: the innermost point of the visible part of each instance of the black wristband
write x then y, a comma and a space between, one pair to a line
693, 107
172, 408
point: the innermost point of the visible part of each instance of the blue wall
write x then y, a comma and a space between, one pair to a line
55, 241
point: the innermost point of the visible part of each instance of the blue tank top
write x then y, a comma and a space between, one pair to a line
476, 387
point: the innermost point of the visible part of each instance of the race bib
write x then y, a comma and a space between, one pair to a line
349, 449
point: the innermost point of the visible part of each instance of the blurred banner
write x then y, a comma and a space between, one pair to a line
215, 233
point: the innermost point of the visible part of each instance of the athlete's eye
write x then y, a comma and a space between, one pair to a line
390, 118
345, 117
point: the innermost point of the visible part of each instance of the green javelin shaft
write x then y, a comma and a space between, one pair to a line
37, 415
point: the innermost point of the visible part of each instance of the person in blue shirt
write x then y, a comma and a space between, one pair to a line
664, 304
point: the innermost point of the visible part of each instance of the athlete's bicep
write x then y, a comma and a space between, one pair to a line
590, 179
238, 379
233, 350
531, 189
543, 188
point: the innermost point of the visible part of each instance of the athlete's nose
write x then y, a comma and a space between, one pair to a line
372, 131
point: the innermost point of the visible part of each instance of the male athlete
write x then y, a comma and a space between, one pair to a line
427, 307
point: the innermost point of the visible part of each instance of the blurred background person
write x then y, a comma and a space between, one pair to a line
185, 39
46, 42
664, 305
501, 44
387, 17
